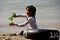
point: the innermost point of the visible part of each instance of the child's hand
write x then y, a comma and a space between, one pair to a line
11, 24
14, 15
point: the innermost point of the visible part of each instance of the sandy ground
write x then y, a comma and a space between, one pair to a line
12, 36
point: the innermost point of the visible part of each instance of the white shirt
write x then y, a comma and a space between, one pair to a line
31, 21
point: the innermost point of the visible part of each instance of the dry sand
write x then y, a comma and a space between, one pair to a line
12, 36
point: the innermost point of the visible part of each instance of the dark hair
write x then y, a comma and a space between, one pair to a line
32, 9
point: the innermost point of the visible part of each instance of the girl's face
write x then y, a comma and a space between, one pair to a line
28, 12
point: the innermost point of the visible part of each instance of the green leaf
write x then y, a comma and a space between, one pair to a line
10, 18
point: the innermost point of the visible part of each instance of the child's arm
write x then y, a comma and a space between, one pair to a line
23, 24
20, 15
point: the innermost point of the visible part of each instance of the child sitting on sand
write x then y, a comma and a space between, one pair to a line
30, 15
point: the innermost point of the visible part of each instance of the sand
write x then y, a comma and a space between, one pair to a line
12, 36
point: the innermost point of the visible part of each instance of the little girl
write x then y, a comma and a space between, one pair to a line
30, 15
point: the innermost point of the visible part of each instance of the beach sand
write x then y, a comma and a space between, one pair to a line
11, 36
